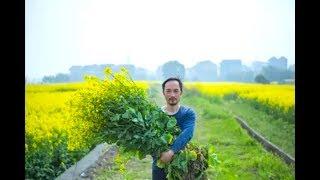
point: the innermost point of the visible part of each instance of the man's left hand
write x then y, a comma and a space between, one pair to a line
167, 156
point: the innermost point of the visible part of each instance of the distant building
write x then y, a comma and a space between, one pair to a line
247, 75
158, 73
229, 69
202, 71
280, 63
292, 68
257, 66
245, 68
76, 73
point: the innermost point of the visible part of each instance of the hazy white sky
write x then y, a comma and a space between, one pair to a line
148, 33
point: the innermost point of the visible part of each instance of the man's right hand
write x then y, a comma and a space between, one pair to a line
167, 156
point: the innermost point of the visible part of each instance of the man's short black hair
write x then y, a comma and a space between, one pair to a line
172, 79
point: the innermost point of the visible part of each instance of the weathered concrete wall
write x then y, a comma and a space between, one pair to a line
75, 171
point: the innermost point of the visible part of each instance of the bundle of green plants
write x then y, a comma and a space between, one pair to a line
118, 111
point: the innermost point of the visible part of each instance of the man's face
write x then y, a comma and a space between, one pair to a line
172, 92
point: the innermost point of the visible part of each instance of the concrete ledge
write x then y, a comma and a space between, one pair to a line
266, 144
91, 158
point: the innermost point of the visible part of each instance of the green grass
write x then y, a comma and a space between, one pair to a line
277, 131
136, 169
241, 156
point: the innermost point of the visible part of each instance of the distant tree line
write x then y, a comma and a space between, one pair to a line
230, 70
59, 78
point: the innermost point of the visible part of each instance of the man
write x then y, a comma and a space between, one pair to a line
185, 116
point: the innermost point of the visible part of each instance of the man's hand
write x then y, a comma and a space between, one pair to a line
166, 156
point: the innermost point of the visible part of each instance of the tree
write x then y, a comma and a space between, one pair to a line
261, 79
276, 74
60, 77
48, 79
173, 69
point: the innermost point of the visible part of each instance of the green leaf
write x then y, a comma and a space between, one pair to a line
163, 139
183, 165
159, 124
131, 110
213, 159
211, 150
115, 118
141, 155
153, 133
140, 116
160, 164
171, 123
192, 155
169, 138
126, 115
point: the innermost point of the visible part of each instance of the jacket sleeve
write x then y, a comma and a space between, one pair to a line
186, 133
